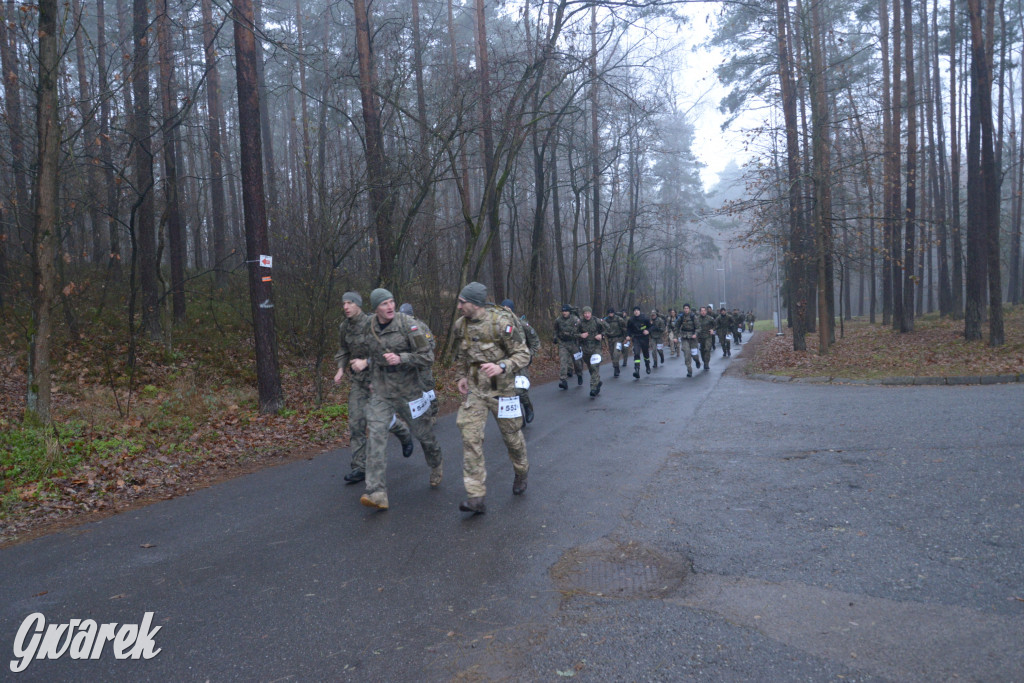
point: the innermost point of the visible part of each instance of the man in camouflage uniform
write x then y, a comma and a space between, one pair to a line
657, 336
591, 331
353, 353
533, 343
737, 323
705, 336
565, 336
686, 328
399, 348
615, 335
673, 333
427, 381
750, 321
724, 327
489, 351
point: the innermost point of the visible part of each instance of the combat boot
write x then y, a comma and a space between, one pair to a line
377, 499
636, 371
355, 476
562, 384
474, 505
528, 413
579, 379
519, 484
616, 368
647, 364
599, 385
662, 354
407, 448
689, 373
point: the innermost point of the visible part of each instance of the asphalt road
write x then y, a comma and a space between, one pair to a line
712, 528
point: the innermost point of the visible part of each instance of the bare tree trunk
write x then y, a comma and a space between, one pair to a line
144, 218
490, 199
595, 154
957, 285
113, 257
795, 256
268, 376
376, 174
267, 131
169, 133
214, 123
37, 405
90, 139
822, 183
910, 229
12, 103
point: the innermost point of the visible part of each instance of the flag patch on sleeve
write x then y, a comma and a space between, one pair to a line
508, 329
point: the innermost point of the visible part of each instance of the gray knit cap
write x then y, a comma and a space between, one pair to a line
405, 308
379, 296
475, 293
353, 297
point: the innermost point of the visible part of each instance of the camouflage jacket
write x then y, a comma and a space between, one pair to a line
724, 324
705, 326
532, 338
566, 329
686, 324
658, 326
354, 342
404, 336
592, 328
616, 326
426, 374
493, 338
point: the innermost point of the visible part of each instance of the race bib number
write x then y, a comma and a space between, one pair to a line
626, 345
430, 395
595, 359
661, 347
739, 330
509, 406
728, 337
522, 382
694, 351
578, 355
618, 346
419, 406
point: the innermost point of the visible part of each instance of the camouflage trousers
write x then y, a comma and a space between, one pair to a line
358, 399
565, 360
705, 349
725, 343
472, 419
378, 418
687, 345
673, 343
594, 368
615, 353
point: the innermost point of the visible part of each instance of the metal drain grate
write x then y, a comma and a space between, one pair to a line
611, 568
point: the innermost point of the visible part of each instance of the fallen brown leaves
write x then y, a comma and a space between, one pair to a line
936, 348
189, 426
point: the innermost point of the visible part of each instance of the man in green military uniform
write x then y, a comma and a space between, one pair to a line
352, 355
591, 331
427, 381
750, 321
686, 328
705, 336
533, 343
673, 334
737, 323
399, 348
615, 335
489, 351
565, 336
724, 326
657, 336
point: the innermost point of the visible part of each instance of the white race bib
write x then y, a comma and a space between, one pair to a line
595, 359
661, 347
578, 355
430, 395
522, 382
626, 345
419, 406
694, 351
739, 330
509, 406
728, 337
